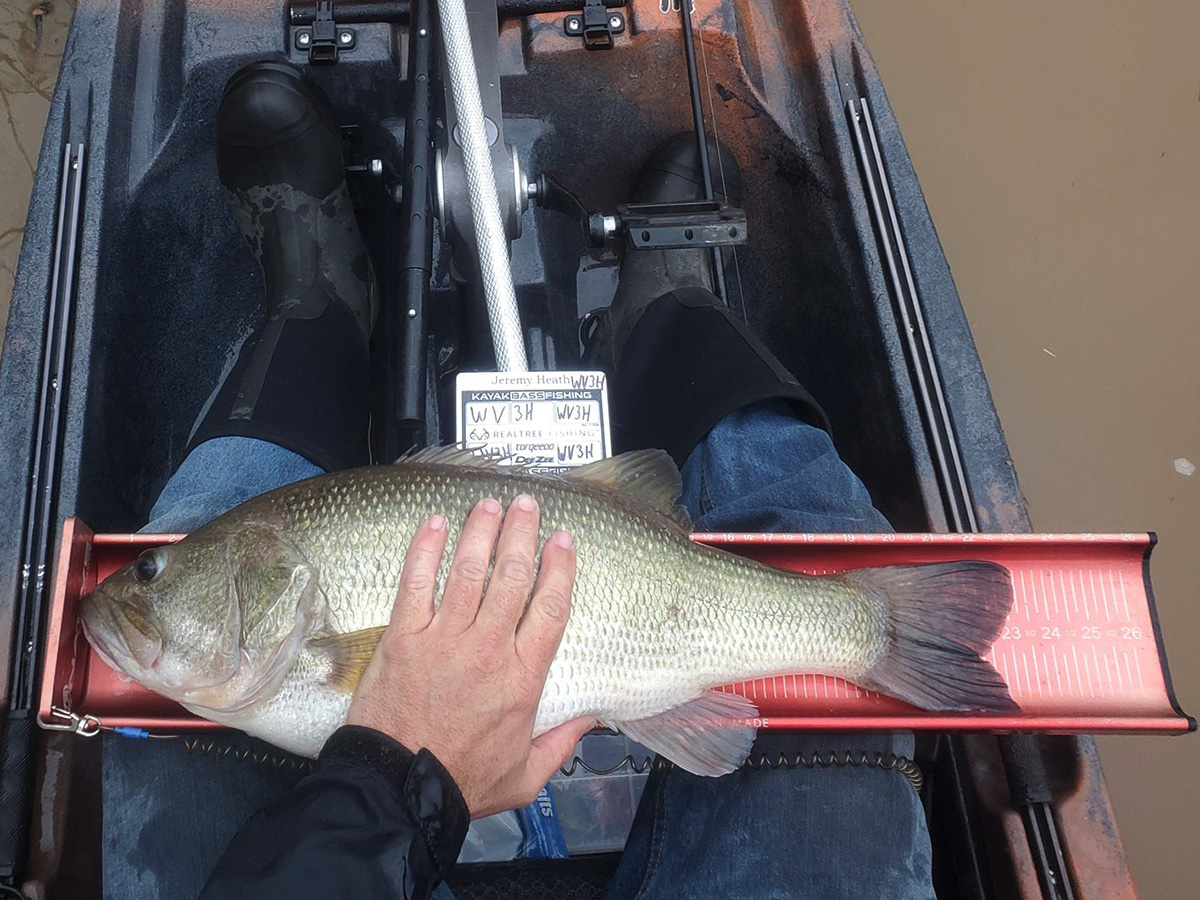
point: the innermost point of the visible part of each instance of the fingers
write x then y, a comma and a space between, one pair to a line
513, 573
542, 627
413, 609
469, 570
551, 750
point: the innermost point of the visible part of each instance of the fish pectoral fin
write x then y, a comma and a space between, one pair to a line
706, 736
349, 653
648, 475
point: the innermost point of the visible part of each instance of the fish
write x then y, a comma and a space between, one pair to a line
265, 618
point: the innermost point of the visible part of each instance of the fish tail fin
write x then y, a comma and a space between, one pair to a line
943, 618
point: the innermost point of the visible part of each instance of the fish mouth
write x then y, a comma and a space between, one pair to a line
122, 633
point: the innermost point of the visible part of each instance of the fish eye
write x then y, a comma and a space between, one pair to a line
147, 567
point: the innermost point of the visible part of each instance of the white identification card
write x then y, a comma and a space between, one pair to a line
547, 421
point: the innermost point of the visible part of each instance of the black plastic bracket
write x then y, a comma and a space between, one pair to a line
681, 224
647, 226
596, 25
324, 39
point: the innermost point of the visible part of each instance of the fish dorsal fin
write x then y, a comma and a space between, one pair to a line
706, 736
450, 455
648, 475
349, 654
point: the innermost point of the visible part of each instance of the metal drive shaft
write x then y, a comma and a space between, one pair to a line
494, 270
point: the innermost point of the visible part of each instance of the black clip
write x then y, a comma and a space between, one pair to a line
596, 25
324, 39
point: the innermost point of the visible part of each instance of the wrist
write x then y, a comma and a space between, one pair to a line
425, 789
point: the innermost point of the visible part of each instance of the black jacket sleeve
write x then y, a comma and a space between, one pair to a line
374, 820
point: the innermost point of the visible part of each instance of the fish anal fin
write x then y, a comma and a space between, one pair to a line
648, 475
705, 736
349, 654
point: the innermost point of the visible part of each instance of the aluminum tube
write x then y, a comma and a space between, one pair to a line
507, 337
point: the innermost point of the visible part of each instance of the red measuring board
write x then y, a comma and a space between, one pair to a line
1081, 650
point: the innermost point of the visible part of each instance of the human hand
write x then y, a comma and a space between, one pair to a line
465, 682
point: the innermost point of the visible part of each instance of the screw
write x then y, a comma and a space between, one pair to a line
423, 33
377, 168
303, 38
345, 37
412, 313
614, 22
573, 24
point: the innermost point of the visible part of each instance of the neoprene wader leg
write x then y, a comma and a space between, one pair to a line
302, 379
679, 361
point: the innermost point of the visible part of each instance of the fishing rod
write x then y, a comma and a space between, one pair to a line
17, 762
689, 52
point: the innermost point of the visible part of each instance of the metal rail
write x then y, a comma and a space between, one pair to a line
356, 12
1021, 753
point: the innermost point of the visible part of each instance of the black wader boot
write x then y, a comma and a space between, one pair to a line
679, 361
301, 380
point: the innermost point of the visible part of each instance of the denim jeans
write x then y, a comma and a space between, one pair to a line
797, 833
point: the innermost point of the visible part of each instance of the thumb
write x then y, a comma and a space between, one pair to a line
550, 750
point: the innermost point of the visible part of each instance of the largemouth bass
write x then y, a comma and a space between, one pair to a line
265, 618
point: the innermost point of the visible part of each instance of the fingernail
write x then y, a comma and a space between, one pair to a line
490, 506
525, 502
436, 523
562, 539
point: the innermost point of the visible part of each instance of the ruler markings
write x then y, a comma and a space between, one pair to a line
1036, 674
1061, 671
1124, 597
1137, 665
1062, 583
1053, 594
1128, 670
1028, 680
1087, 673
1075, 596
1096, 660
1117, 666
1033, 601
1019, 591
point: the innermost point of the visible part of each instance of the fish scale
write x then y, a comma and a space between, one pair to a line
656, 620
